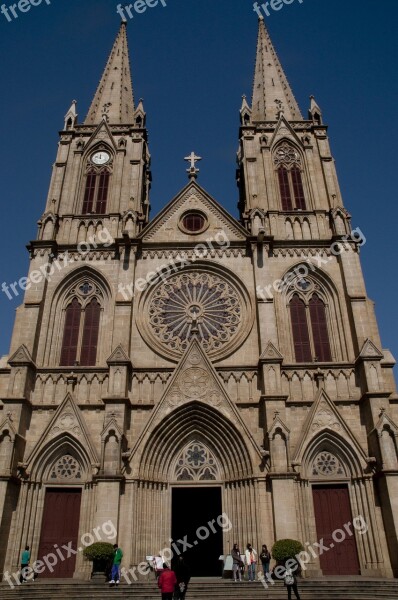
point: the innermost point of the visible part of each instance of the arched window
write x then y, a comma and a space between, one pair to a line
96, 191
288, 165
92, 315
81, 328
301, 336
298, 188
309, 328
284, 188
71, 333
319, 329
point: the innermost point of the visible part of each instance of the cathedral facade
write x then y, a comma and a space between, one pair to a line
164, 372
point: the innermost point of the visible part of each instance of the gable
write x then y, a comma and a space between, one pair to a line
195, 380
69, 421
323, 417
167, 227
284, 131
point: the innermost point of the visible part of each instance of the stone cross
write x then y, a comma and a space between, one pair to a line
193, 159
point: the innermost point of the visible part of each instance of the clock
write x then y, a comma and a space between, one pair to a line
100, 158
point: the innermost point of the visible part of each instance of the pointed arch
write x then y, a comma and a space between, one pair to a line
71, 333
195, 421
324, 313
96, 180
63, 445
288, 162
67, 333
330, 441
319, 329
301, 336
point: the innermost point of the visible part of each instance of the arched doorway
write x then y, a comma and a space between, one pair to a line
196, 523
195, 485
334, 487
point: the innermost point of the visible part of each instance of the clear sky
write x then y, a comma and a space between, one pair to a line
192, 61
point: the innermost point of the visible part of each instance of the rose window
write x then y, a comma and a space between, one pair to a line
196, 463
195, 303
66, 467
327, 465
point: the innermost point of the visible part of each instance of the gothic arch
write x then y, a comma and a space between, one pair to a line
61, 446
320, 284
290, 142
97, 146
195, 421
89, 169
48, 227
62, 297
288, 157
331, 442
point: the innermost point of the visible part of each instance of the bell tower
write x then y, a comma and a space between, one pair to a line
286, 174
316, 322
101, 176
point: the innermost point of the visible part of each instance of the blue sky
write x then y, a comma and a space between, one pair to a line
191, 62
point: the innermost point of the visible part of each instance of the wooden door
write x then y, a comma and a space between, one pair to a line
332, 512
60, 527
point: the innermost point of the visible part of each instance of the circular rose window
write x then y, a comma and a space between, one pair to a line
199, 304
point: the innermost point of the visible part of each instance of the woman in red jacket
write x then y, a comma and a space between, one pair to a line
167, 582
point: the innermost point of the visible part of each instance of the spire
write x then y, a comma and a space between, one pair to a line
114, 97
272, 94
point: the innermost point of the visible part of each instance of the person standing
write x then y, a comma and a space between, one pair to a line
183, 574
237, 563
25, 560
158, 565
117, 560
167, 582
251, 560
265, 558
291, 584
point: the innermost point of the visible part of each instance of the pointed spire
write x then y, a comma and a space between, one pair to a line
114, 99
272, 95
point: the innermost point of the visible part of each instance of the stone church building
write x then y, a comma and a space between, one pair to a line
165, 371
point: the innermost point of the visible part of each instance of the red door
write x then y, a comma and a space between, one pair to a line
332, 512
60, 527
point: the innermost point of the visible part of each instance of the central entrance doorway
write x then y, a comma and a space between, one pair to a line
193, 508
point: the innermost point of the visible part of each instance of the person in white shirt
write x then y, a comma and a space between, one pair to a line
251, 561
158, 565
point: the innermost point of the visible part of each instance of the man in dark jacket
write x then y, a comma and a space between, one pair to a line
183, 574
167, 582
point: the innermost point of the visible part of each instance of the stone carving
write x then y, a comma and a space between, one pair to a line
327, 465
325, 418
66, 422
66, 467
287, 156
194, 383
196, 463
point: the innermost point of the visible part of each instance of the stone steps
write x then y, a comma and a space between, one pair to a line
360, 589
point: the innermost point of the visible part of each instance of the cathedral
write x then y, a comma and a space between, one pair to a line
165, 372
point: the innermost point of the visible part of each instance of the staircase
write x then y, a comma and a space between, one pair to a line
207, 589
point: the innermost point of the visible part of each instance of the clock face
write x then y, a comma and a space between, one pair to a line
100, 158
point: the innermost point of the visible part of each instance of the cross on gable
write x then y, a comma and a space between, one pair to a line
193, 159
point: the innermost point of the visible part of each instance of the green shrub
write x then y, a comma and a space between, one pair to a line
99, 552
282, 550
